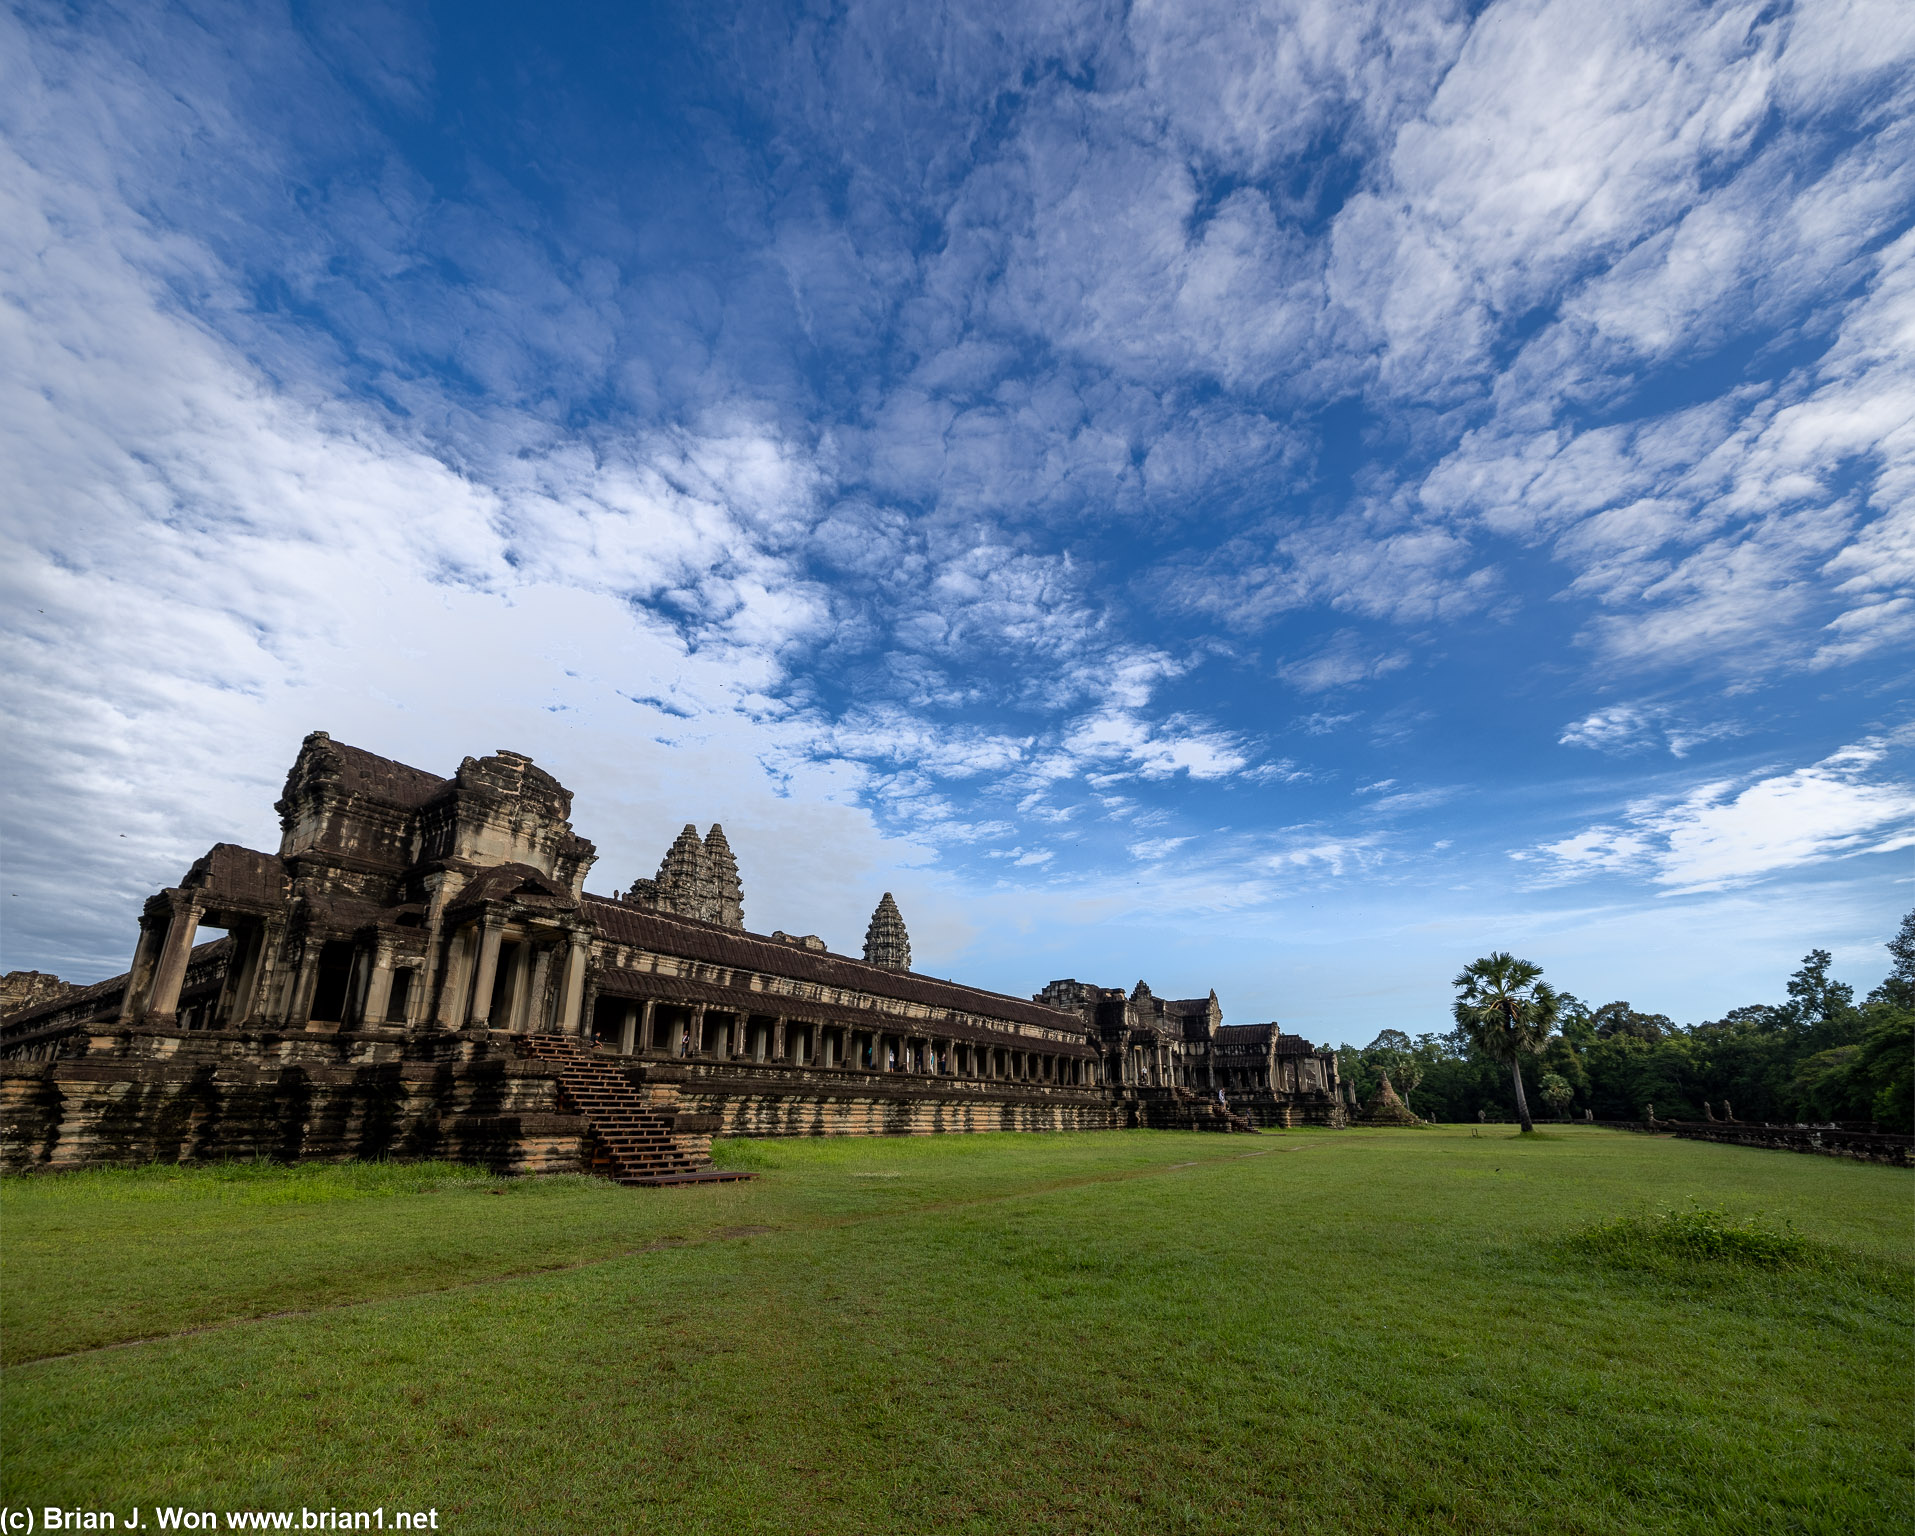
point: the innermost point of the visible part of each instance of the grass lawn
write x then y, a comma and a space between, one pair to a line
1127, 1331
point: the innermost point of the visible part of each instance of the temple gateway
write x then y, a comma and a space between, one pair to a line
419, 971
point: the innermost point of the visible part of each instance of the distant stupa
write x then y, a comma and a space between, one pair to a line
885, 941
1386, 1109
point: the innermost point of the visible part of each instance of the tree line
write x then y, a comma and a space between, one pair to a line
1520, 1047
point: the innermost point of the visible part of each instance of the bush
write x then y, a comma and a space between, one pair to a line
1699, 1236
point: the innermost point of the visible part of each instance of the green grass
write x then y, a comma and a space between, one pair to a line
1137, 1332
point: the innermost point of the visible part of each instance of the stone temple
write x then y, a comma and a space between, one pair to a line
419, 971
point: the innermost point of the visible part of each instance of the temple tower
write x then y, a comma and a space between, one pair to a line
681, 875
698, 879
885, 941
724, 897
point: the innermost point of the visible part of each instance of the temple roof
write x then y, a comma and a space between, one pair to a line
1264, 1034
687, 937
228, 872
500, 882
381, 778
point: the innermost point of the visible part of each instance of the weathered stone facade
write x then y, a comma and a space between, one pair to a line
375, 972
20, 990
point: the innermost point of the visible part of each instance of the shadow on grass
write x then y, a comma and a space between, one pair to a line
248, 1182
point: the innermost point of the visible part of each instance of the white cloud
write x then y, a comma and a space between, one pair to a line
1333, 855
1627, 728
1720, 835
1344, 660
1024, 858
884, 733
1129, 745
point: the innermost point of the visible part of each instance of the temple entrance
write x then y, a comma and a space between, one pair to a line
334, 984
400, 998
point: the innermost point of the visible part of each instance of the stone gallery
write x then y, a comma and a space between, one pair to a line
419, 971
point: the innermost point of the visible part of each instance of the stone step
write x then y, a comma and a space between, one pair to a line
635, 1141
692, 1176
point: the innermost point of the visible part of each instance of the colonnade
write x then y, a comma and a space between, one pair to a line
701, 1032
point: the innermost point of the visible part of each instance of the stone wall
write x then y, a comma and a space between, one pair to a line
1827, 1141
134, 1095
1272, 1111
839, 1103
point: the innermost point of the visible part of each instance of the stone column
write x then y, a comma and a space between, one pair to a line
139, 975
491, 929
588, 999
778, 1038
379, 986
646, 1015
305, 981
169, 975
358, 982
452, 986
269, 1000
572, 990
533, 999
628, 1030
242, 977
692, 1042
511, 989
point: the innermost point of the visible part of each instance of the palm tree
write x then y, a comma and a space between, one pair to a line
1507, 1010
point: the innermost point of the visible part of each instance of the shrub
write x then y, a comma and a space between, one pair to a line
1699, 1236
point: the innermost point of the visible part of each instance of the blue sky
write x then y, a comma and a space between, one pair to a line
1281, 499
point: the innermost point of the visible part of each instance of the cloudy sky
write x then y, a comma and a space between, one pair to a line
1285, 499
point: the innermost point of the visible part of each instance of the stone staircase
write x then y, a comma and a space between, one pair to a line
633, 1141
1177, 1108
